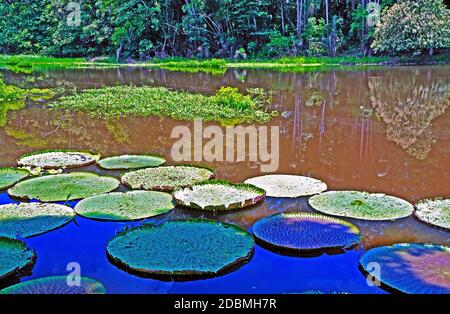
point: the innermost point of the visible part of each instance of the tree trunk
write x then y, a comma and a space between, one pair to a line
299, 19
282, 16
430, 52
118, 52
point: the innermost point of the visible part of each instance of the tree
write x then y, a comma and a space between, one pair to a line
413, 26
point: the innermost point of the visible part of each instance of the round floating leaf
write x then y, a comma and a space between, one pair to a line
10, 176
49, 159
166, 178
434, 212
131, 162
410, 268
63, 187
56, 285
181, 247
361, 205
288, 185
219, 195
306, 231
28, 219
125, 206
14, 257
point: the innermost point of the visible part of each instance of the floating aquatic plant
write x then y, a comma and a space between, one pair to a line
181, 247
361, 205
49, 159
131, 162
277, 185
28, 219
125, 206
166, 178
410, 268
56, 285
10, 176
306, 231
435, 212
63, 187
219, 195
14, 257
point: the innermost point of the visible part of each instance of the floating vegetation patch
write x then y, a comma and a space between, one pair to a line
181, 248
219, 195
435, 212
411, 268
277, 185
361, 205
28, 219
58, 159
10, 176
15, 256
125, 206
56, 285
306, 231
166, 178
131, 162
64, 187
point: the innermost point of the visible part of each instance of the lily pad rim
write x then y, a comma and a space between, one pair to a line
133, 155
16, 271
95, 156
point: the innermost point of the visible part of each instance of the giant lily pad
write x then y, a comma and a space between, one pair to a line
410, 268
63, 187
10, 176
14, 257
277, 185
166, 178
434, 212
219, 195
131, 162
50, 159
181, 247
56, 285
28, 219
306, 231
361, 205
125, 206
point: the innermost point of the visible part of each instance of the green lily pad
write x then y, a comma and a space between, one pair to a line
219, 195
361, 205
56, 285
29, 219
50, 159
435, 212
131, 162
63, 187
166, 178
306, 231
181, 248
277, 185
410, 268
125, 206
10, 176
14, 257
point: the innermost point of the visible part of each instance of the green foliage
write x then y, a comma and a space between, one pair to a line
315, 34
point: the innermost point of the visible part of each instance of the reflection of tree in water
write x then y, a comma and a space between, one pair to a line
408, 108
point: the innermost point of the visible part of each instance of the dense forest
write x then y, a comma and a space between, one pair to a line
143, 29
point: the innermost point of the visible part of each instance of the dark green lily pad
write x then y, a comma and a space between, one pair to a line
131, 162
14, 257
181, 248
62, 158
56, 285
306, 231
63, 187
361, 205
435, 212
29, 219
166, 178
411, 268
10, 176
219, 195
125, 206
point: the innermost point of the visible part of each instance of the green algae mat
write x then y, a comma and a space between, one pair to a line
50, 159
181, 248
130, 162
14, 256
435, 212
63, 187
10, 176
